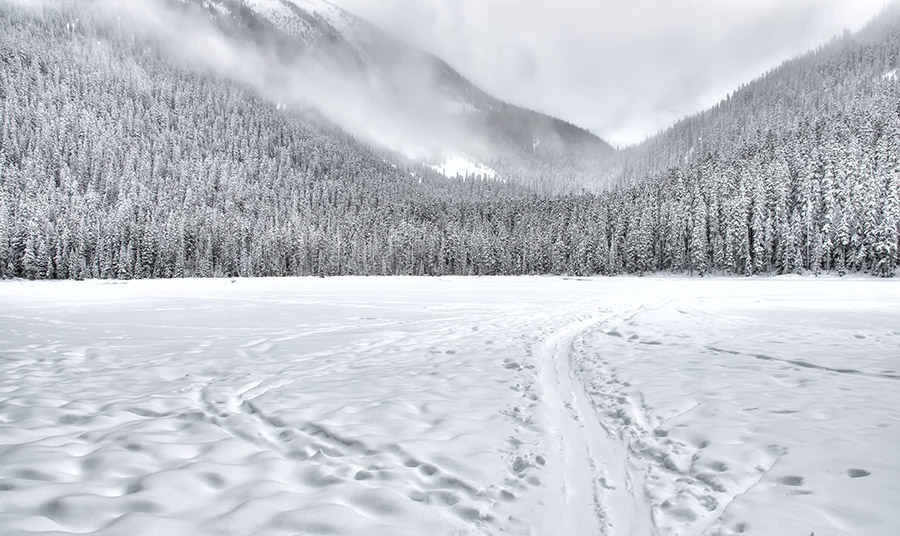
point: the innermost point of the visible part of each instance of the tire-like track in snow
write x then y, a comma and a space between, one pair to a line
594, 489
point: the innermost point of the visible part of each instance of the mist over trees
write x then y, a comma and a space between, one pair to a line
119, 161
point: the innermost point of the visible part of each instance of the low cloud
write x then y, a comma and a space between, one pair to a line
622, 69
387, 110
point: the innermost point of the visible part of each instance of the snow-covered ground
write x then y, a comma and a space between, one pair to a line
538, 405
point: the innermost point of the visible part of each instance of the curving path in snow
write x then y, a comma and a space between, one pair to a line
599, 489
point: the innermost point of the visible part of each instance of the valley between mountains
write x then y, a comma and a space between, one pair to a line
269, 269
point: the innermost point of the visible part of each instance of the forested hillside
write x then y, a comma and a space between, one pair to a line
119, 161
378, 87
847, 72
796, 170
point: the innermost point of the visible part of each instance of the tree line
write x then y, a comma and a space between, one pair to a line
117, 161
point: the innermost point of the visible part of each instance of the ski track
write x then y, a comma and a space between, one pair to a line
600, 491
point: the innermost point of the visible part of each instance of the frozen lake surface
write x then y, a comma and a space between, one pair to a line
449, 406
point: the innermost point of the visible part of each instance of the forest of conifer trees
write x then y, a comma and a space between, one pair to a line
117, 161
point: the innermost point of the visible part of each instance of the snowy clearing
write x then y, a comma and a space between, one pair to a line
532, 405
460, 166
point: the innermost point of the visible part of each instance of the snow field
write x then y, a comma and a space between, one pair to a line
763, 413
537, 405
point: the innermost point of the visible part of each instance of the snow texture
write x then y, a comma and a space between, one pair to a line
531, 405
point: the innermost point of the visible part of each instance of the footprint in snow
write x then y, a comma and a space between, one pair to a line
791, 480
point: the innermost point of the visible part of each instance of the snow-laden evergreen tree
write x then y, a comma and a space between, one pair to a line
119, 160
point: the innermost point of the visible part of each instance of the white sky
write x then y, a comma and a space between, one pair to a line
622, 68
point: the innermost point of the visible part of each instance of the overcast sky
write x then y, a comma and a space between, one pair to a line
622, 68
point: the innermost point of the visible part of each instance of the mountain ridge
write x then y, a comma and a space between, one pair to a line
432, 99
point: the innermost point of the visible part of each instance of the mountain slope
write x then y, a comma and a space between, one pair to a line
126, 155
798, 170
825, 82
399, 96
